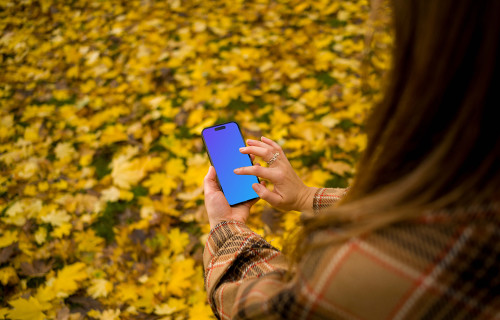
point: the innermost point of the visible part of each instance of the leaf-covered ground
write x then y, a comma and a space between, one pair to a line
101, 159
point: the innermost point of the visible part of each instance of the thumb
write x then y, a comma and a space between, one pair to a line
210, 184
264, 193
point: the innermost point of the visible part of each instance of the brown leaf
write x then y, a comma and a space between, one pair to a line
83, 304
137, 236
338, 167
63, 313
198, 255
201, 214
7, 252
181, 118
193, 241
36, 269
271, 218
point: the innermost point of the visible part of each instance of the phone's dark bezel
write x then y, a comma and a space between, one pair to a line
205, 144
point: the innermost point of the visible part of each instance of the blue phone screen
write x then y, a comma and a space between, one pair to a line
223, 143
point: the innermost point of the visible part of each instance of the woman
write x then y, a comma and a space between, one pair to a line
417, 235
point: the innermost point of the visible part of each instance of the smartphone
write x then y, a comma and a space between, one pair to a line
223, 142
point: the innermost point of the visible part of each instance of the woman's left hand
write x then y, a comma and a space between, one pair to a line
218, 209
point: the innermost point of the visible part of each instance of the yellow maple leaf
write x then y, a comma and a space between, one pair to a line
152, 163
3, 312
66, 282
125, 174
290, 220
177, 240
319, 177
56, 217
200, 311
175, 145
167, 127
99, 288
172, 305
205, 123
280, 118
160, 182
31, 132
30, 190
88, 241
27, 169
64, 151
62, 230
6, 126
26, 309
145, 301
40, 235
181, 272
167, 205
113, 134
110, 314
86, 159
88, 86
94, 313
111, 194
8, 238
202, 93
329, 121
295, 90
175, 167
43, 186
194, 175
127, 292
8, 274
313, 98
358, 141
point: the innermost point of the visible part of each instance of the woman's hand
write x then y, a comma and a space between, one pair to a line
218, 209
289, 193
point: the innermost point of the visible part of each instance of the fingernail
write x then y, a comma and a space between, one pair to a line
256, 186
236, 170
242, 148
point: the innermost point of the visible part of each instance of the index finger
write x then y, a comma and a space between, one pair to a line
270, 142
259, 171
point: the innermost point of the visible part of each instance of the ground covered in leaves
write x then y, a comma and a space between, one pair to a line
101, 159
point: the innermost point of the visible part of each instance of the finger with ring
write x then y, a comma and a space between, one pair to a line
275, 156
258, 151
261, 144
270, 142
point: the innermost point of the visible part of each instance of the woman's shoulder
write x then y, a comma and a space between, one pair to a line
443, 238
441, 265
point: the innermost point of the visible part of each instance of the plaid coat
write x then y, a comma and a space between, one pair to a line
431, 268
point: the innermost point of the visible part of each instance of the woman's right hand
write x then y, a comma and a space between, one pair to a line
289, 192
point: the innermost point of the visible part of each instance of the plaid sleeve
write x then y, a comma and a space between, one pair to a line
326, 197
234, 255
433, 268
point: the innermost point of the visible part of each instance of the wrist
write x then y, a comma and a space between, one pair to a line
215, 223
306, 203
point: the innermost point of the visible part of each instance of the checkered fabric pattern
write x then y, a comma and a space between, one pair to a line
326, 197
441, 266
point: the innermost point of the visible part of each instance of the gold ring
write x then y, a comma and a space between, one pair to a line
275, 156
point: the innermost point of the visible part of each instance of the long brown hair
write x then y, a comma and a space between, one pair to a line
434, 140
